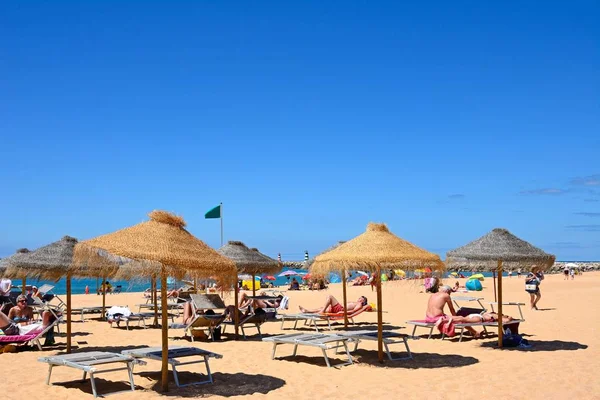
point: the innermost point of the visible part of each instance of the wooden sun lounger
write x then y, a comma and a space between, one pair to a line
88, 362
175, 352
320, 340
389, 338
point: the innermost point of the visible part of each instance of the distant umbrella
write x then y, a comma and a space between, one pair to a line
269, 277
362, 273
5, 262
288, 273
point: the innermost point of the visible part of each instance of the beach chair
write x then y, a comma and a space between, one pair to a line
313, 319
88, 362
249, 321
33, 337
389, 338
207, 323
88, 310
118, 289
48, 296
175, 353
320, 340
461, 310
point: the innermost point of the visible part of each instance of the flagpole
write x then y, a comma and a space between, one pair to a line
221, 224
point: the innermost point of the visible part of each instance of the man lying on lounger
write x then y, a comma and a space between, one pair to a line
333, 306
435, 312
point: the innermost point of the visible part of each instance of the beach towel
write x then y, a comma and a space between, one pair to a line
283, 305
117, 312
443, 323
340, 315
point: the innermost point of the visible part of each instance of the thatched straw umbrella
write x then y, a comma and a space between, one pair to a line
53, 262
495, 249
5, 262
247, 261
373, 250
159, 246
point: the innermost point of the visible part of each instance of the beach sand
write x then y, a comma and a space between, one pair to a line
563, 362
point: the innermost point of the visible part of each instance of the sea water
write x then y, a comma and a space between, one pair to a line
78, 285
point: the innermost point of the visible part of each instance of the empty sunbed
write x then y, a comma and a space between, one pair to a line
319, 340
176, 353
33, 336
88, 363
389, 338
88, 310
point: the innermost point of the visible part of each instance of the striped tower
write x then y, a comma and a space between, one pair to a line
279, 257
305, 255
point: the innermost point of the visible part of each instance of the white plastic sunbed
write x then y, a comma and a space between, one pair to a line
88, 362
389, 338
319, 340
175, 352
88, 310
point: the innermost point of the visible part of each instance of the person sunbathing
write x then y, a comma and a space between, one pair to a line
478, 318
334, 306
435, 312
246, 301
19, 321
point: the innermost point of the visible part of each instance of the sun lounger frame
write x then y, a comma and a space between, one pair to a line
319, 340
462, 327
389, 338
88, 365
155, 353
35, 339
309, 319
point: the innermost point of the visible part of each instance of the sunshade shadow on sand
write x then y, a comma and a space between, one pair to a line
542, 345
103, 386
227, 385
420, 360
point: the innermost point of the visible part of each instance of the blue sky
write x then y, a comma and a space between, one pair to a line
306, 120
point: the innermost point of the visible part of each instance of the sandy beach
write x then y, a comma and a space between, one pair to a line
562, 362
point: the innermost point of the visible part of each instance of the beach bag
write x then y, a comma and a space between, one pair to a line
531, 286
216, 334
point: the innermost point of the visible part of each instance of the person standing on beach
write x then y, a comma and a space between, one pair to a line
510, 273
566, 273
572, 273
532, 286
519, 273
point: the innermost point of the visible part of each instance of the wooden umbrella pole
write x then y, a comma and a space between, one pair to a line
253, 285
500, 331
494, 278
236, 312
103, 297
196, 285
165, 332
68, 313
345, 298
154, 299
379, 317
24, 283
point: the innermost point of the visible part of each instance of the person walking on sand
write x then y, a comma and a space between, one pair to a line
566, 273
572, 273
532, 286
519, 273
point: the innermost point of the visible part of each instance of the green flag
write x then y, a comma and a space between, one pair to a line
214, 212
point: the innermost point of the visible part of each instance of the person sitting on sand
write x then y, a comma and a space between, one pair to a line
294, 285
333, 306
19, 321
435, 312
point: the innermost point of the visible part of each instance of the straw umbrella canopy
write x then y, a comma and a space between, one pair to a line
248, 261
160, 246
48, 262
373, 250
495, 250
5, 262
